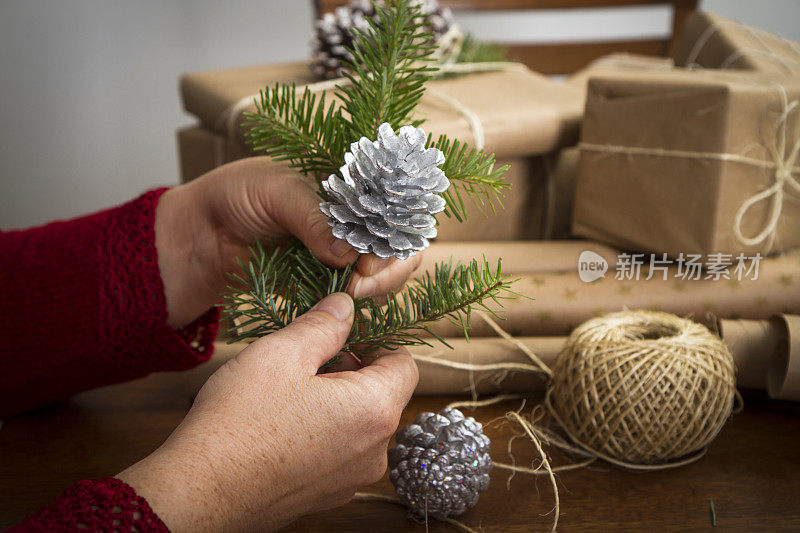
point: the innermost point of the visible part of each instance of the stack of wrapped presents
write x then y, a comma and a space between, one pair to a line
638, 183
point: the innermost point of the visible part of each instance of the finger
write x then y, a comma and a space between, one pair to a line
314, 338
377, 277
295, 207
396, 372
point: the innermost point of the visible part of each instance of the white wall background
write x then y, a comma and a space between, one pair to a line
88, 88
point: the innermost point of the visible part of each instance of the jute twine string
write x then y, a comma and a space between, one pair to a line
644, 390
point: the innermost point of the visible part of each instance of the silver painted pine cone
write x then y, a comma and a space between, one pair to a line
333, 32
442, 461
388, 193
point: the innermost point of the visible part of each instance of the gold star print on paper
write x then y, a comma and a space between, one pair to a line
625, 289
733, 284
545, 316
538, 281
761, 301
597, 311
785, 280
679, 286
708, 304
570, 294
655, 307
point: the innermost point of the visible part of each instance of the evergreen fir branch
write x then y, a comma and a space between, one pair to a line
391, 64
476, 51
278, 287
472, 175
450, 292
305, 131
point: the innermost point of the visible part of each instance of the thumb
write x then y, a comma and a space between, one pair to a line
296, 209
313, 338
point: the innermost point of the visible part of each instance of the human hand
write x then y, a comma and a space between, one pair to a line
203, 226
268, 439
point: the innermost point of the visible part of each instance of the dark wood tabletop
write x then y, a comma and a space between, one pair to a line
751, 472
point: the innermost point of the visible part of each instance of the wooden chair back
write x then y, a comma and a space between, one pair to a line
565, 58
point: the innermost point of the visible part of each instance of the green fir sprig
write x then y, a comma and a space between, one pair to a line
282, 283
386, 82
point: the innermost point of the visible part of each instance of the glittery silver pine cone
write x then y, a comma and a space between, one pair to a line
442, 461
333, 32
388, 193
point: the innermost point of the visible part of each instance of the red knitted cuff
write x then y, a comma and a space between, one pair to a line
133, 303
106, 504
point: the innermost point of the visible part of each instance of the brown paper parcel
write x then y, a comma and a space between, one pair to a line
714, 42
618, 62
522, 113
671, 159
536, 206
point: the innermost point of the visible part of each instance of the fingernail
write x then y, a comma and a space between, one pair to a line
338, 304
340, 248
365, 287
376, 265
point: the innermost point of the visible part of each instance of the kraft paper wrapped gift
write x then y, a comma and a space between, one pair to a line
538, 204
714, 42
618, 62
522, 116
522, 113
690, 162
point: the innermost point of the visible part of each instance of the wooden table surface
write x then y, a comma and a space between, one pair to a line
751, 472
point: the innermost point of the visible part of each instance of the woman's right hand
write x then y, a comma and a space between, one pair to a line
268, 439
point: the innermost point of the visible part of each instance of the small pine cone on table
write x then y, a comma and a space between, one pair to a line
441, 464
388, 194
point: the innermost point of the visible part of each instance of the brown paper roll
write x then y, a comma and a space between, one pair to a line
783, 369
766, 354
561, 301
433, 378
519, 257
752, 344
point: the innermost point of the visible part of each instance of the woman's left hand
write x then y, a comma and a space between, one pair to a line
203, 226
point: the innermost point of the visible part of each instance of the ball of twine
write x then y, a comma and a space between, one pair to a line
643, 388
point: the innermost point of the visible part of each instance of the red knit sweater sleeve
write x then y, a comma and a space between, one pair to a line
82, 305
106, 504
